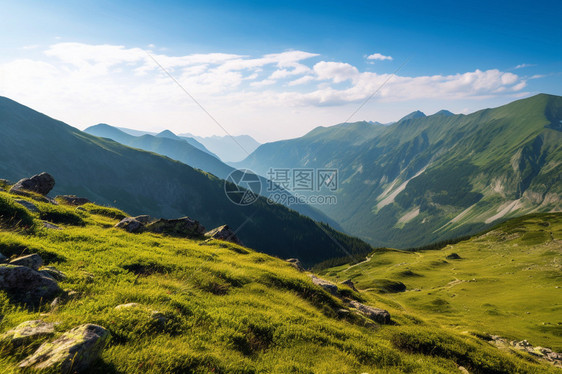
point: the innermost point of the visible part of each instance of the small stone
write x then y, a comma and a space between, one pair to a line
33, 261
73, 200
28, 205
127, 306
26, 284
50, 226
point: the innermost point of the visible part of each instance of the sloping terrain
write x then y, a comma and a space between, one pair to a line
507, 281
187, 305
145, 183
429, 178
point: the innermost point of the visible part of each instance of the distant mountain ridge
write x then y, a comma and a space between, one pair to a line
179, 148
141, 182
228, 148
429, 178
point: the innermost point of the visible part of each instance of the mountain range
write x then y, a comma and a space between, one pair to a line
429, 178
197, 156
141, 182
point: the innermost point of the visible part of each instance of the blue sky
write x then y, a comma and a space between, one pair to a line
273, 69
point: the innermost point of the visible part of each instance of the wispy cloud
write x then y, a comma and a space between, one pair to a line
522, 66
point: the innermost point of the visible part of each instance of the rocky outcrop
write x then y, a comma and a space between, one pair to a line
453, 256
27, 332
375, 314
183, 227
326, 285
74, 351
41, 183
33, 261
378, 315
130, 224
296, 264
223, 233
73, 200
26, 284
545, 354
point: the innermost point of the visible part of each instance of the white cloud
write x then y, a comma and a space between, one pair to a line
378, 56
85, 84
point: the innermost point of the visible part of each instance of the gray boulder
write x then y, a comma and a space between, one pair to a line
183, 227
223, 233
26, 284
27, 332
73, 200
130, 224
33, 261
326, 285
74, 351
378, 315
41, 183
29, 206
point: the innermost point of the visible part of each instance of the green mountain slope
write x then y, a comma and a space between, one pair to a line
173, 305
505, 281
145, 183
178, 148
429, 178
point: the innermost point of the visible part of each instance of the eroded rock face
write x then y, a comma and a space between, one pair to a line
183, 227
33, 261
73, 200
27, 332
223, 233
378, 315
26, 284
74, 351
41, 183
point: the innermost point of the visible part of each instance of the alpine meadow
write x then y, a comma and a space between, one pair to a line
314, 187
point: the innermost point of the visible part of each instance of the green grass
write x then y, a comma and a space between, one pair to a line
228, 309
506, 281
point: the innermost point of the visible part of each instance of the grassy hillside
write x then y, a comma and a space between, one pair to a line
222, 308
146, 183
507, 281
426, 179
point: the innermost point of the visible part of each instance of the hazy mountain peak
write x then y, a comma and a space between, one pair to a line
167, 134
413, 115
